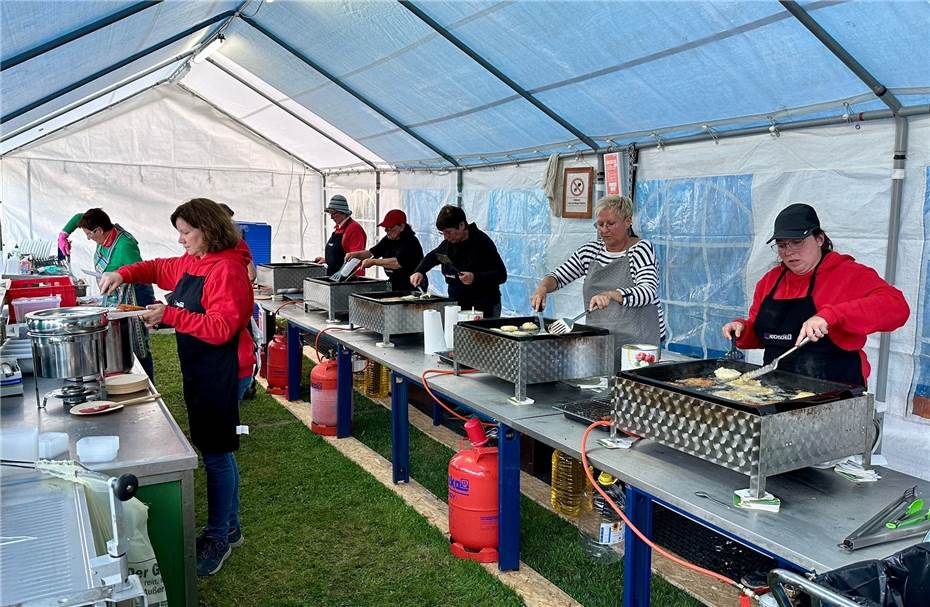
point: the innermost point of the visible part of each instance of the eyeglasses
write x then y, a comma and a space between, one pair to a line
795, 244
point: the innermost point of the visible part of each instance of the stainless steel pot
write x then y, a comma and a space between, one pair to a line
118, 347
68, 342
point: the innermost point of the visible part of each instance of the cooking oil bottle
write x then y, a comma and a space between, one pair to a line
569, 482
377, 380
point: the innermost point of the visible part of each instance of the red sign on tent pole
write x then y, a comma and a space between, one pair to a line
612, 174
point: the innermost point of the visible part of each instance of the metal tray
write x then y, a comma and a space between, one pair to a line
488, 325
663, 375
587, 411
287, 277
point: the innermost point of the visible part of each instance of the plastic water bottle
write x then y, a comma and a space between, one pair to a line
601, 531
568, 495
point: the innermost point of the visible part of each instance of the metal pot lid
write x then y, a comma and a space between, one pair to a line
67, 321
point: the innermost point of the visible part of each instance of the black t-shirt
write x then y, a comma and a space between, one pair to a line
408, 252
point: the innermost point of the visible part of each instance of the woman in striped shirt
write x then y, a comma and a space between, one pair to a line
621, 279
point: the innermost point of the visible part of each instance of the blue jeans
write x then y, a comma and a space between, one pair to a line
223, 486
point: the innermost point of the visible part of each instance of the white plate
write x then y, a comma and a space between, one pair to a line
126, 383
95, 407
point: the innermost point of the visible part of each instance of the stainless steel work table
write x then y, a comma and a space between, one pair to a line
819, 508
152, 447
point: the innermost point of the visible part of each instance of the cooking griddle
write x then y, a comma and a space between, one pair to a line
487, 325
390, 298
664, 375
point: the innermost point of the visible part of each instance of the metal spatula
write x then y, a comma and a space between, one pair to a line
542, 323
734, 354
564, 325
771, 366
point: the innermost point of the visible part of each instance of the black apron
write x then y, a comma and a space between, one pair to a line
777, 325
210, 375
335, 255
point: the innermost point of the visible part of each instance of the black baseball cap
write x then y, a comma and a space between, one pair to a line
795, 221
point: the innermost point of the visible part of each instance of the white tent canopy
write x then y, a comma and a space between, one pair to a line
724, 113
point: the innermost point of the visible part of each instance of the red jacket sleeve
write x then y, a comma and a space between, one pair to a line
872, 304
227, 302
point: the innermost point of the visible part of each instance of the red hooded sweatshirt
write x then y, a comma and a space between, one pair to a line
227, 297
853, 299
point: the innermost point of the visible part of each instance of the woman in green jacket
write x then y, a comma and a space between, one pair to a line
115, 248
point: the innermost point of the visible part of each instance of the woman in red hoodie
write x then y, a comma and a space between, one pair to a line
821, 295
209, 308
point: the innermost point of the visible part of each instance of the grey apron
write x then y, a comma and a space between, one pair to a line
627, 325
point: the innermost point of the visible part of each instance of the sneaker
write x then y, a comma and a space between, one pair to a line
211, 556
235, 538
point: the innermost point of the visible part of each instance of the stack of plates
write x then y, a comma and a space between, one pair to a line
126, 383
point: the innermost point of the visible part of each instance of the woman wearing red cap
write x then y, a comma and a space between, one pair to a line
399, 252
819, 294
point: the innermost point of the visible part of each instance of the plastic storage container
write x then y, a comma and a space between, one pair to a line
91, 449
258, 237
40, 286
52, 444
25, 305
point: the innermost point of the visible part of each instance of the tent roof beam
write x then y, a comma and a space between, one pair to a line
487, 65
880, 90
243, 125
78, 33
332, 78
290, 112
115, 66
95, 96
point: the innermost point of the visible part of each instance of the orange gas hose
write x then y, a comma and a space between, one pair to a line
635, 530
437, 372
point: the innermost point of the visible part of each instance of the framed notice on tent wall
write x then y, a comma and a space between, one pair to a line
577, 187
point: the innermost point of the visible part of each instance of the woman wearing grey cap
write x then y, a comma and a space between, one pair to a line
347, 237
817, 293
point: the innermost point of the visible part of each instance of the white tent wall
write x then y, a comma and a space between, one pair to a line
139, 160
845, 173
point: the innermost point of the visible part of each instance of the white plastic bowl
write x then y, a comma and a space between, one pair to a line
92, 449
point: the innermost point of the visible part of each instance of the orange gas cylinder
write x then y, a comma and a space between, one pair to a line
473, 505
324, 381
277, 365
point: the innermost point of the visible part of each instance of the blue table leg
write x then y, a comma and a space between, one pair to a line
637, 565
437, 414
508, 532
343, 392
400, 429
295, 358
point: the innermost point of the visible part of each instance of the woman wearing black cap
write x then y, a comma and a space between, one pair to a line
819, 294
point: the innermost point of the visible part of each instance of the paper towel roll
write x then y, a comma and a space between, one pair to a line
433, 340
451, 317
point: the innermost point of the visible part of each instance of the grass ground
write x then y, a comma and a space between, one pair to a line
321, 531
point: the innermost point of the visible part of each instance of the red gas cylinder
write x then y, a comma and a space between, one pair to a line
324, 380
473, 505
277, 365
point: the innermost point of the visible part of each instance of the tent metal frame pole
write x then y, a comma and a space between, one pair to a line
122, 63
78, 33
250, 129
879, 89
459, 187
94, 97
497, 73
361, 98
91, 115
377, 201
290, 112
891, 251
